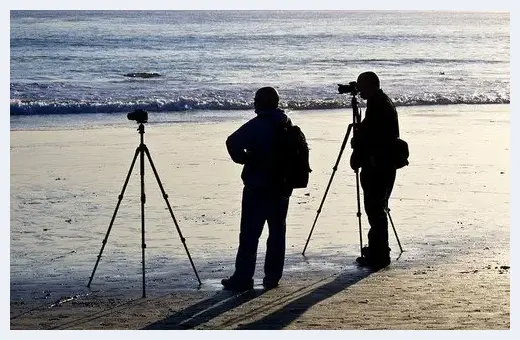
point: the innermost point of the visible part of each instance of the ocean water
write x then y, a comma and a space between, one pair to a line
105, 62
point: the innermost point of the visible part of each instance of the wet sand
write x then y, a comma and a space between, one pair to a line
450, 208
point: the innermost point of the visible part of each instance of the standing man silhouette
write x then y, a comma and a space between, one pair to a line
253, 145
372, 145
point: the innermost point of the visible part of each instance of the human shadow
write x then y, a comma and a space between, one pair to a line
291, 311
205, 310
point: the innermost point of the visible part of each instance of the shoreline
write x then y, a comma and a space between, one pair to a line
88, 120
244, 108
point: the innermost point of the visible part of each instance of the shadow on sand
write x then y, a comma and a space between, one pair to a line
291, 311
222, 302
205, 310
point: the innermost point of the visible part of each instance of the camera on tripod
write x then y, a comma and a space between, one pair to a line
140, 116
350, 88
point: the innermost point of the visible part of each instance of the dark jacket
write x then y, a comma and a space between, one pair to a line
253, 145
376, 134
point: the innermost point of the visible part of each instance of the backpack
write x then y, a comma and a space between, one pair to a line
291, 159
400, 153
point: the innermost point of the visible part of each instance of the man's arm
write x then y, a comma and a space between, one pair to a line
237, 145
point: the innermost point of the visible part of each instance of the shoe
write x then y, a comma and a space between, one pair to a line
373, 262
365, 251
269, 283
237, 285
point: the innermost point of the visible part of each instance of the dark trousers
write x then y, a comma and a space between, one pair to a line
257, 208
377, 184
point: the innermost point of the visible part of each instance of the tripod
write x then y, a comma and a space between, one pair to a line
356, 119
141, 150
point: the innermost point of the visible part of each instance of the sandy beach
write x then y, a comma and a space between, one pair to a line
450, 208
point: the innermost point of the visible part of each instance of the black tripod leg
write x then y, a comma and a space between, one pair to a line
359, 213
393, 227
143, 201
114, 216
165, 196
328, 186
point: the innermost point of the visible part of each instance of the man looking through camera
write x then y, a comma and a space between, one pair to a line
372, 152
263, 199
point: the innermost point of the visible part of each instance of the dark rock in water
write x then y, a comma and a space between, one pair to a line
142, 75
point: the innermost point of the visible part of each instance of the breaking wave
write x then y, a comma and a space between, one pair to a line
43, 107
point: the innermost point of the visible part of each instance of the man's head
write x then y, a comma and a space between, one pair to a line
266, 98
368, 84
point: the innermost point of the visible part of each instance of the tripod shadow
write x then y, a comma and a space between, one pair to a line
290, 312
205, 310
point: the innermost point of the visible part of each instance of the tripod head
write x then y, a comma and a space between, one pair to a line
356, 112
352, 89
141, 117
